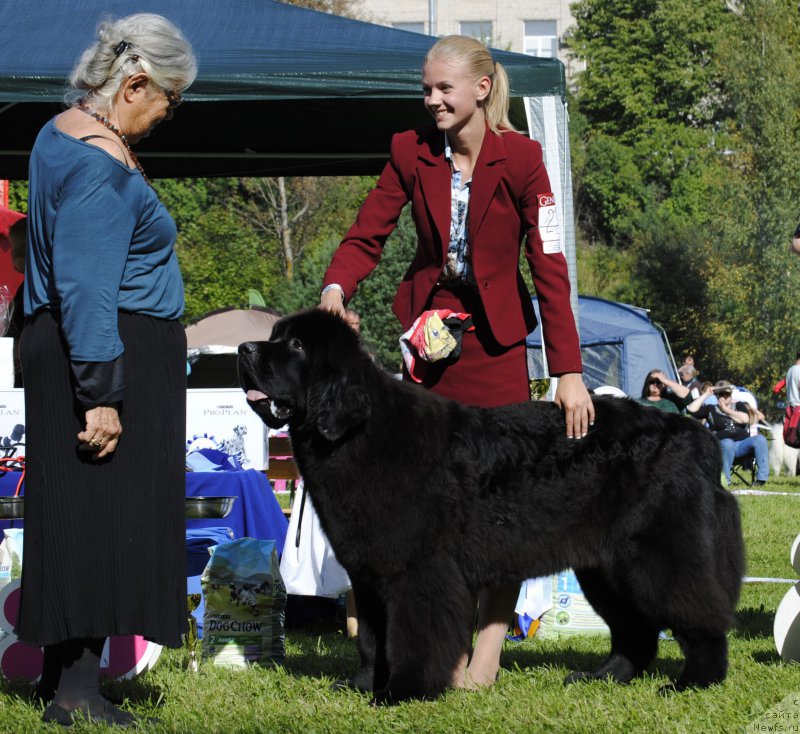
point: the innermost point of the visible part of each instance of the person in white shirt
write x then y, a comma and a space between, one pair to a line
793, 383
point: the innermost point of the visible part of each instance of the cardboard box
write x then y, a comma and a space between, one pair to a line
219, 418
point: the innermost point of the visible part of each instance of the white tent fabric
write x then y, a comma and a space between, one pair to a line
548, 123
222, 331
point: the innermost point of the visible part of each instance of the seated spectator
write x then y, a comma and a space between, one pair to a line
689, 379
707, 388
743, 395
660, 392
730, 422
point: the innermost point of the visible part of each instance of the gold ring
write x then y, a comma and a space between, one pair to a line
94, 443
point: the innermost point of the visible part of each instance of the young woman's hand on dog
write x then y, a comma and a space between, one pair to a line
574, 399
102, 431
332, 301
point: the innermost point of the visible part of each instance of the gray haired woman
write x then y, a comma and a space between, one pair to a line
102, 347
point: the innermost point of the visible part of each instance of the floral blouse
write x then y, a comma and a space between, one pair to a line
457, 267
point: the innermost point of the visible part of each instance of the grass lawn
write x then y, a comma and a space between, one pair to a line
529, 697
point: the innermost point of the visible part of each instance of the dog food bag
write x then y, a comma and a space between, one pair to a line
570, 614
245, 602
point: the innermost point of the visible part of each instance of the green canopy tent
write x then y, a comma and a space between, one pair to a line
282, 91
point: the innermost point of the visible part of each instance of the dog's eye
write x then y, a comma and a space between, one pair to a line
295, 343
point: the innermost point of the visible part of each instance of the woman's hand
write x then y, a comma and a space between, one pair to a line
574, 399
103, 430
333, 301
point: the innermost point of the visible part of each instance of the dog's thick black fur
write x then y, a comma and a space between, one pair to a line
426, 501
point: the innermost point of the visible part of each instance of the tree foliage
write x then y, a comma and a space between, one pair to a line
651, 99
753, 293
373, 300
686, 137
375, 295
301, 212
223, 255
220, 256
18, 196
221, 260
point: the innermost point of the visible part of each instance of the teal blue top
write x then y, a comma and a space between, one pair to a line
99, 242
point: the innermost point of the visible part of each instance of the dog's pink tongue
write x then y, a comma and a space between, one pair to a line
255, 395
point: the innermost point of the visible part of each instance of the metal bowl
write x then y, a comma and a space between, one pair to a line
197, 507
12, 508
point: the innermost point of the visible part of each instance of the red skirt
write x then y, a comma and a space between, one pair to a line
486, 373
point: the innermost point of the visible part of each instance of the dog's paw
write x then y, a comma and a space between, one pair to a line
383, 698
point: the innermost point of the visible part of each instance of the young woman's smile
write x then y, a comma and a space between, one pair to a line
450, 96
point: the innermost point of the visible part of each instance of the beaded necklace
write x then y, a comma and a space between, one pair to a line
110, 125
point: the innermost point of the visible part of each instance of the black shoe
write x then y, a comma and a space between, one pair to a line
110, 714
759, 482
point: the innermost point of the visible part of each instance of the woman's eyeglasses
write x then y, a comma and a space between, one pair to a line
174, 99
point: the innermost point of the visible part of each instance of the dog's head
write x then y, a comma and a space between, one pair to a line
311, 373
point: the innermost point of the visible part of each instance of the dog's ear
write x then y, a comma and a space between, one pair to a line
344, 405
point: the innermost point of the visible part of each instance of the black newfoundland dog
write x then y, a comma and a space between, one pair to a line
426, 501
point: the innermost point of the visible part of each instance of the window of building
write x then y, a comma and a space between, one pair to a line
480, 29
413, 27
541, 38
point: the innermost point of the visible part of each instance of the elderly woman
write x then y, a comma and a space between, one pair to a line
102, 349
655, 393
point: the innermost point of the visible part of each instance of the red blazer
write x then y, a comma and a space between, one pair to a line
508, 178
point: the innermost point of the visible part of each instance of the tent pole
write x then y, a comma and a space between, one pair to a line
544, 115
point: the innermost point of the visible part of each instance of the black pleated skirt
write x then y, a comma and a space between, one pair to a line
104, 542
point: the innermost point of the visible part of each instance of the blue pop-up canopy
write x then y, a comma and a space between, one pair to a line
619, 345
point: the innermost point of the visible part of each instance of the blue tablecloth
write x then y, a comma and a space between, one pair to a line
255, 514
8, 485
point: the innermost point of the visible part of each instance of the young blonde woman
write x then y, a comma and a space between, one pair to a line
478, 192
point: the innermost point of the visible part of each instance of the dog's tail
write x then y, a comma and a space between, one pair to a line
728, 545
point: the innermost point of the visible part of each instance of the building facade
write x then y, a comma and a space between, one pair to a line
534, 27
